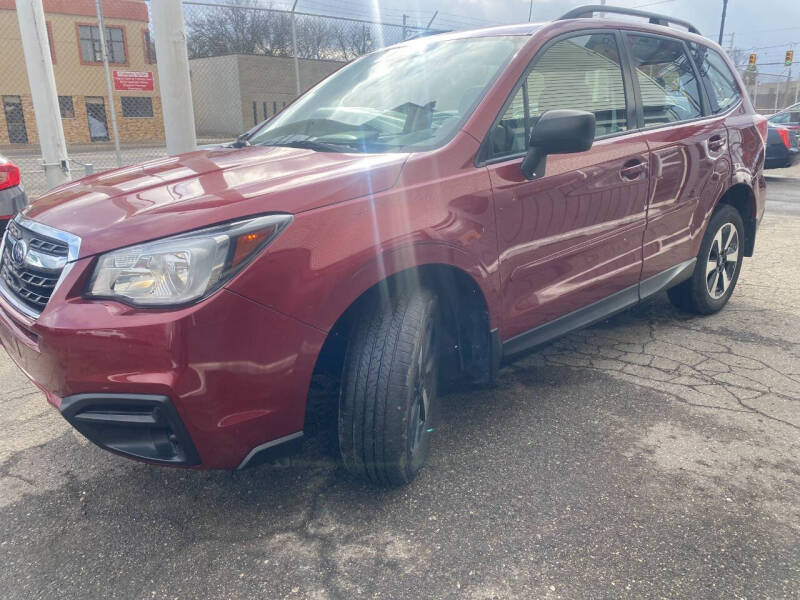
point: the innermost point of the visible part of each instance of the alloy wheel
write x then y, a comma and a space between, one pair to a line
723, 258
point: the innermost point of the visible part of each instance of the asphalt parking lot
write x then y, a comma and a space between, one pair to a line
655, 455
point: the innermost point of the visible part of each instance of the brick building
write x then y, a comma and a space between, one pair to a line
80, 76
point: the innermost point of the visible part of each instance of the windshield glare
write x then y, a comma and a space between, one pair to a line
401, 99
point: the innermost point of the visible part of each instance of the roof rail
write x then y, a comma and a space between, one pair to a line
655, 19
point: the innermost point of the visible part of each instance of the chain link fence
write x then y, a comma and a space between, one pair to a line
242, 64
242, 59
110, 117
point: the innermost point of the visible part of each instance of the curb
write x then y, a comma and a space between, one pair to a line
781, 178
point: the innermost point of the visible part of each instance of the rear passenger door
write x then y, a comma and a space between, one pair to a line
689, 152
573, 236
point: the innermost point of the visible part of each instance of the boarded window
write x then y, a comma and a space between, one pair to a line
137, 106
66, 107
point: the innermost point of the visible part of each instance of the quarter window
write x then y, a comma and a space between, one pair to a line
580, 73
666, 80
90, 44
720, 83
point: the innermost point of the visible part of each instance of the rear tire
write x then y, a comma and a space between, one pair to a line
719, 263
389, 388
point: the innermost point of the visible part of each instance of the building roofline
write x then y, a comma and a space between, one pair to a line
131, 10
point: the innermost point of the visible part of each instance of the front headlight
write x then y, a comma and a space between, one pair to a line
184, 268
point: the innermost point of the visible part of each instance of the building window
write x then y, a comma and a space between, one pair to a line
50, 41
90, 44
66, 107
137, 107
149, 48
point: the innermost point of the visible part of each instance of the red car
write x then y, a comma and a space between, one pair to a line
12, 196
421, 216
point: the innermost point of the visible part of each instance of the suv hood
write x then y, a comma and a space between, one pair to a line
189, 191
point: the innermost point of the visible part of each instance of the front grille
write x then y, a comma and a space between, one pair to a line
32, 284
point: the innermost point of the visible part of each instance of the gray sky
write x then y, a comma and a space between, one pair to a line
768, 27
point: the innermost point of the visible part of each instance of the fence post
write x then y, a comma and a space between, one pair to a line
294, 51
101, 29
39, 65
169, 32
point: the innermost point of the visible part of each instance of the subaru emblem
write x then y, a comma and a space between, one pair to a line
19, 252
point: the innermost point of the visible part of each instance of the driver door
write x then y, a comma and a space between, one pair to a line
574, 236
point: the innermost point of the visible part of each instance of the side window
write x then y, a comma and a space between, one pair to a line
719, 81
581, 73
666, 80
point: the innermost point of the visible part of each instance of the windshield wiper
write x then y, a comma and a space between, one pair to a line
311, 145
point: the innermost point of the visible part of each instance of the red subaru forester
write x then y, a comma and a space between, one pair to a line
427, 212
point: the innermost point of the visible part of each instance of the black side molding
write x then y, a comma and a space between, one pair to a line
133, 425
597, 311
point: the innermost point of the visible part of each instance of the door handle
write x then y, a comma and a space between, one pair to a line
716, 143
632, 169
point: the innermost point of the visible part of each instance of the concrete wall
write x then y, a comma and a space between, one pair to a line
216, 96
225, 88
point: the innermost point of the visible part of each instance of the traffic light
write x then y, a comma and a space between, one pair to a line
751, 63
789, 58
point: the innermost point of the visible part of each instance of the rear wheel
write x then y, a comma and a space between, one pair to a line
389, 388
718, 265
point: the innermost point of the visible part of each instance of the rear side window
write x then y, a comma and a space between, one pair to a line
666, 80
580, 73
720, 83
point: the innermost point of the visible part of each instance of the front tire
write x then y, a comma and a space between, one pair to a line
389, 388
719, 263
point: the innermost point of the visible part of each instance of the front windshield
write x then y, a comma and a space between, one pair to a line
402, 99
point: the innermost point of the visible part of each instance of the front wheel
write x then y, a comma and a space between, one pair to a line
718, 265
389, 388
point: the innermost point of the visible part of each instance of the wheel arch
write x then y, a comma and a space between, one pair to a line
469, 341
741, 197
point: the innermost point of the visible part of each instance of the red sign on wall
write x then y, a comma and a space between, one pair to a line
133, 81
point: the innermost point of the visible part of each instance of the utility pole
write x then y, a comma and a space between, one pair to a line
39, 65
101, 28
294, 50
169, 32
722, 22
530, 12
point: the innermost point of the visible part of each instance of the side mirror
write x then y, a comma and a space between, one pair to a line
557, 132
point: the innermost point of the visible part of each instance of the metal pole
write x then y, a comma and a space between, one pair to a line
405, 17
294, 51
39, 65
174, 82
530, 12
722, 22
428, 26
109, 87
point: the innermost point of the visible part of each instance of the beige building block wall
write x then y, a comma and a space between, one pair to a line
76, 79
271, 79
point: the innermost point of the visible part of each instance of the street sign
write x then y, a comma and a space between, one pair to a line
789, 58
133, 81
751, 63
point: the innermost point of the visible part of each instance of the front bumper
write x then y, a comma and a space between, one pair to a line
235, 373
